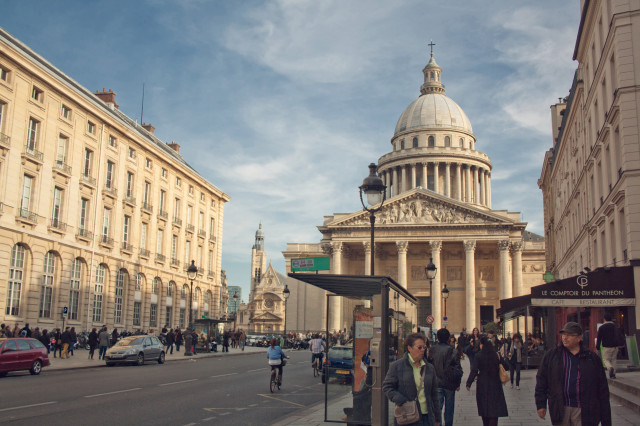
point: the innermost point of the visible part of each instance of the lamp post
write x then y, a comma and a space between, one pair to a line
445, 296
235, 310
376, 193
431, 270
286, 293
192, 273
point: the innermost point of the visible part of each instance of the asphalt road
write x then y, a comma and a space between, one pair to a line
230, 390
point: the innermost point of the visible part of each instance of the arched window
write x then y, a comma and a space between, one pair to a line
432, 142
461, 143
197, 297
46, 291
16, 273
155, 286
140, 282
74, 288
433, 76
207, 302
402, 144
171, 288
415, 142
183, 293
97, 293
447, 141
120, 283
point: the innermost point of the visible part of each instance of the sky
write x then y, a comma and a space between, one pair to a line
282, 104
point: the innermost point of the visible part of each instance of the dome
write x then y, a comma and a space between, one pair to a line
433, 111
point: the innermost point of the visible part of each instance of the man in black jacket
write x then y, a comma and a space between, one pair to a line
448, 372
608, 335
572, 381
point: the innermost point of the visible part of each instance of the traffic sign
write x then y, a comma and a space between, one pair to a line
430, 319
444, 319
65, 311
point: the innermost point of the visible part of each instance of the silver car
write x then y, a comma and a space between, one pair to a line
135, 350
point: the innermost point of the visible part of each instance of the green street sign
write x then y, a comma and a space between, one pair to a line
548, 277
310, 264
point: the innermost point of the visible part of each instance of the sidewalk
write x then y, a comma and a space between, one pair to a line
521, 404
81, 358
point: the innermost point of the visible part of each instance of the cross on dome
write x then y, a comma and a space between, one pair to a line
432, 74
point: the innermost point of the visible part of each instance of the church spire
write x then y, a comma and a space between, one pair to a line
432, 74
259, 243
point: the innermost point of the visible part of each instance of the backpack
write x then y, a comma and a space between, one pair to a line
452, 371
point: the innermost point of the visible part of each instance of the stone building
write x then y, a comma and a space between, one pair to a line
438, 207
97, 214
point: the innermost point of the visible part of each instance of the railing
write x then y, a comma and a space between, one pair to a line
126, 246
88, 179
212, 238
130, 200
175, 262
28, 215
202, 233
190, 228
211, 274
60, 165
161, 257
55, 223
144, 252
148, 207
34, 154
5, 140
163, 215
177, 221
84, 233
105, 239
111, 190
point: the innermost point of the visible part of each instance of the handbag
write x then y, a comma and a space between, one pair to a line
504, 376
408, 412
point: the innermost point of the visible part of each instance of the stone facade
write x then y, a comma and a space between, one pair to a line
97, 214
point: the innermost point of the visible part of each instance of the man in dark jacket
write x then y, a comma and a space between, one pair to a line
608, 335
572, 381
448, 372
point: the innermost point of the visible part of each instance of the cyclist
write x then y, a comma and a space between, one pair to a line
275, 356
318, 347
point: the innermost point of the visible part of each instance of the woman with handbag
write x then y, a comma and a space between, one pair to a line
515, 359
489, 393
412, 385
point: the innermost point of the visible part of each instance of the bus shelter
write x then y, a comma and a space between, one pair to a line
376, 314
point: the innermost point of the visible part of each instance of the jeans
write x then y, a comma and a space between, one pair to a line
447, 397
515, 366
425, 420
170, 348
103, 352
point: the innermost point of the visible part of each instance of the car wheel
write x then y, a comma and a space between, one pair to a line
161, 358
3, 373
140, 359
110, 364
36, 368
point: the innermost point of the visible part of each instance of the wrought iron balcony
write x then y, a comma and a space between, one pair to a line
62, 167
161, 258
177, 221
147, 207
33, 154
130, 200
190, 228
163, 215
110, 190
126, 246
144, 253
202, 233
88, 179
84, 233
175, 262
5, 140
212, 238
57, 224
27, 215
105, 239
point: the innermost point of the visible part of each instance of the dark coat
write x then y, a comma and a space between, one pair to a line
594, 389
489, 393
400, 386
93, 339
442, 355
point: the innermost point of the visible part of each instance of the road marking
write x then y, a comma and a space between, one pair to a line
257, 369
280, 400
111, 393
208, 418
29, 406
176, 383
222, 375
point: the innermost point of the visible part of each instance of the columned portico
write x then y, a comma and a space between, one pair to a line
470, 282
436, 293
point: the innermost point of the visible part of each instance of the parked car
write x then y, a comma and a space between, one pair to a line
252, 339
339, 363
136, 350
22, 353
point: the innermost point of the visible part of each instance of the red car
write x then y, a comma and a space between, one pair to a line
22, 353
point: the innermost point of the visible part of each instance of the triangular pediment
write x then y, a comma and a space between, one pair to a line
270, 281
267, 316
423, 207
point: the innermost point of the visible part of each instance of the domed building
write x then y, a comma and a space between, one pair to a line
438, 206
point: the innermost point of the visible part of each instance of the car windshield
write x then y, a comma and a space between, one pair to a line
340, 353
130, 341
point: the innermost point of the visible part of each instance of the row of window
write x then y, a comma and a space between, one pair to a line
78, 268
431, 142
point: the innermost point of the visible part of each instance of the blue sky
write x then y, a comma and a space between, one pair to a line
282, 104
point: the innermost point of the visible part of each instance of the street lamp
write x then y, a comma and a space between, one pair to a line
445, 296
376, 193
431, 270
235, 309
286, 293
192, 273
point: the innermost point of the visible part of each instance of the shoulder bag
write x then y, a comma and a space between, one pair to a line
502, 373
408, 412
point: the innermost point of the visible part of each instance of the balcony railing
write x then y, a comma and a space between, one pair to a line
212, 238
57, 224
177, 221
33, 154
175, 262
61, 166
190, 228
84, 233
28, 215
202, 233
130, 200
105, 239
161, 258
5, 140
126, 246
147, 207
110, 190
211, 274
88, 179
163, 215
144, 253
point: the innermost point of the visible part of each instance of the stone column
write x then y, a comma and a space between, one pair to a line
489, 189
367, 257
505, 282
475, 193
402, 247
403, 180
467, 176
516, 251
436, 291
436, 177
413, 176
335, 317
458, 182
424, 176
447, 179
395, 181
486, 187
470, 282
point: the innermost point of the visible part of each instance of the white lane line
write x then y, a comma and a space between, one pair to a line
176, 383
222, 375
257, 369
29, 406
111, 393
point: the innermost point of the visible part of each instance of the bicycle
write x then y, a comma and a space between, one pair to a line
274, 383
317, 365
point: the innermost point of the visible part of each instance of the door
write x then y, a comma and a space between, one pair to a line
486, 315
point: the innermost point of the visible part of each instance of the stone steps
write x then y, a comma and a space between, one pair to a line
626, 393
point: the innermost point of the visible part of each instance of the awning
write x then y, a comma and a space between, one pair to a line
513, 307
352, 285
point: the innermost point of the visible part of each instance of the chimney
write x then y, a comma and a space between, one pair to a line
148, 127
108, 97
175, 147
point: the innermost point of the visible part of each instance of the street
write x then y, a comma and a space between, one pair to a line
232, 390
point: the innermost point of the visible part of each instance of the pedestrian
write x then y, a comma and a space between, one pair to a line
515, 359
412, 379
610, 337
66, 341
194, 340
225, 341
473, 345
572, 382
446, 362
93, 342
16, 330
26, 331
489, 393
74, 339
170, 339
114, 336
103, 342
36, 333
179, 339
44, 339
243, 339
57, 343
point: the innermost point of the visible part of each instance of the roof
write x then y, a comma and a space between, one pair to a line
433, 111
352, 285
